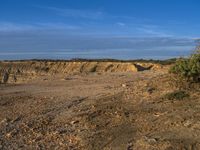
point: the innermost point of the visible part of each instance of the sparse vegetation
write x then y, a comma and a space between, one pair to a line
162, 62
176, 95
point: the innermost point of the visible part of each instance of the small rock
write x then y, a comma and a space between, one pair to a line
67, 78
130, 146
12, 133
8, 135
62, 130
123, 85
187, 123
4, 122
74, 122
150, 90
151, 140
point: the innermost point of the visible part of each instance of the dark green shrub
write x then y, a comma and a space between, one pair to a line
189, 68
176, 95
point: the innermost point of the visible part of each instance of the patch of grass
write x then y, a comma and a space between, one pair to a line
177, 95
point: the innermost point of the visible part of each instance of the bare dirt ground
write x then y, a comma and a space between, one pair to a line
111, 111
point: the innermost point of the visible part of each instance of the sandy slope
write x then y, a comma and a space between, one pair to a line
97, 111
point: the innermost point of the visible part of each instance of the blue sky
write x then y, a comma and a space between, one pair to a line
127, 29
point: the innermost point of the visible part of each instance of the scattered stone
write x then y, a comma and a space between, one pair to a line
187, 123
157, 114
151, 140
68, 78
123, 85
8, 135
130, 146
4, 122
150, 90
74, 122
64, 131
126, 114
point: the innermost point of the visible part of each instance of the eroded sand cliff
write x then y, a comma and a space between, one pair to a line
19, 71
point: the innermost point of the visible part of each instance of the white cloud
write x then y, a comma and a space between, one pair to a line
7, 26
12, 27
153, 30
76, 13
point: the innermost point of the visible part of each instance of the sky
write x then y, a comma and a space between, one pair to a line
119, 29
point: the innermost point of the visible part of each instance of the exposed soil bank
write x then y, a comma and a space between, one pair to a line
23, 70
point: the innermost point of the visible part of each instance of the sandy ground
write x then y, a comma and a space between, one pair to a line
118, 111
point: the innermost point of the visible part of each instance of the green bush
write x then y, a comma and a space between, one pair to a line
176, 95
188, 68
